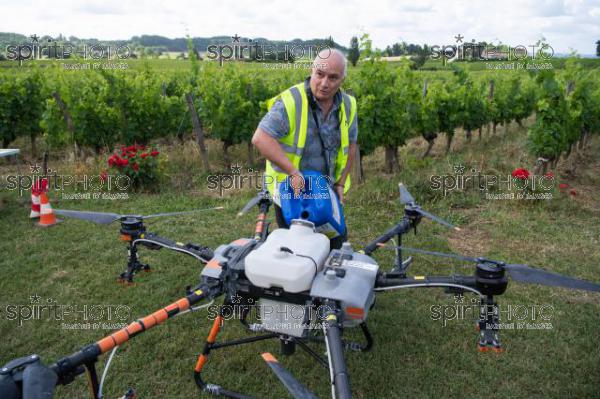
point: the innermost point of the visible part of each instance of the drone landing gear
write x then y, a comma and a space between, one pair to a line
132, 229
335, 349
212, 344
488, 326
133, 265
288, 346
133, 232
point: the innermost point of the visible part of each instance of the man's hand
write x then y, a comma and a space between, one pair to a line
297, 182
339, 190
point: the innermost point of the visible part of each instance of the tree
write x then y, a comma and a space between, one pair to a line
598, 48
583, 117
193, 56
469, 98
353, 53
500, 103
447, 110
385, 95
419, 59
547, 138
427, 123
329, 42
22, 98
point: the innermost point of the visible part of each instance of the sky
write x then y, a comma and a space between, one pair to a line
566, 24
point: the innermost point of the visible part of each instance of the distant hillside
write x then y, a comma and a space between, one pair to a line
160, 44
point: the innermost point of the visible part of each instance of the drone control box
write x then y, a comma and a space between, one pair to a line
348, 277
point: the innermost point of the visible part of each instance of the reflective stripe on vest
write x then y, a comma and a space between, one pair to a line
295, 103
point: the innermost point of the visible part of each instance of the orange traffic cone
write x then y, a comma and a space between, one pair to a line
38, 187
47, 217
35, 204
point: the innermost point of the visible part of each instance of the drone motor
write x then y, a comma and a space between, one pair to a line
132, 228
490, 277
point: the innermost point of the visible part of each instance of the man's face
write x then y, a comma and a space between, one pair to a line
326, 77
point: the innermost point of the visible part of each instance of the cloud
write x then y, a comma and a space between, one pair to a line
102, 8
566, 23
416, 8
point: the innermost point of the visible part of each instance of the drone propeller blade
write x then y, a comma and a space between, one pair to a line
434, 253
96, 217
295, 388
530, 275
251, 204
156, 215
518, 272
405, 196
437, 219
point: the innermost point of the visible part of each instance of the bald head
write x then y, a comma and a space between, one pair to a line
328, 73
331, 58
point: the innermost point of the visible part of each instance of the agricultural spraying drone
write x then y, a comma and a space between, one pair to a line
296, 290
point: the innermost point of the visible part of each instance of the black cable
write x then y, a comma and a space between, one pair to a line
286, 249
324, 150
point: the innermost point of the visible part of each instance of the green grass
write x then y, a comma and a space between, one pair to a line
76, 263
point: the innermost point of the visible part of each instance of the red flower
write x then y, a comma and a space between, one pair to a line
520, 173
154, 153
550, 175
144, 155
103, 176
562, 186
573, 193
113, 160
123, 162
136, 167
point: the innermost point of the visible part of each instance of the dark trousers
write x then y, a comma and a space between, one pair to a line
334, 243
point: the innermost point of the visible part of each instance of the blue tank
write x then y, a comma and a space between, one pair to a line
317, 203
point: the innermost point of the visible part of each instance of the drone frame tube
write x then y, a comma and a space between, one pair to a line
333, 336
70, 366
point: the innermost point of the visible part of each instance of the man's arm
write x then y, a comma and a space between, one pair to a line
269, 148
353, 137
349, 163
339, 185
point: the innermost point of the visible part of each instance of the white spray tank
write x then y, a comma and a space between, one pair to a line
289, 258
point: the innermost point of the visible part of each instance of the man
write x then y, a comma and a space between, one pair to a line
310, 126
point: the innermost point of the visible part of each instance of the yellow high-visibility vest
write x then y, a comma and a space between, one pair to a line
296, 106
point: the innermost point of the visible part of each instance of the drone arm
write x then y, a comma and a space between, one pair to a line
386, 282
401, 228
150, 240
70, 366
261, 225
